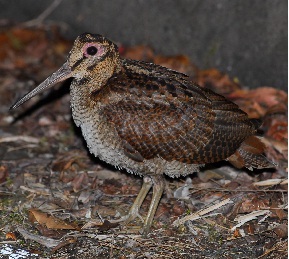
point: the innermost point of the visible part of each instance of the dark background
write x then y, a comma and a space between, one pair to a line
245, 38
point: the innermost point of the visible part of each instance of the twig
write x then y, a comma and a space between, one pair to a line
39, 192
271, 182
46, 241
19, 138
275, 247
202, 212
40, 19
248, 217
240, 190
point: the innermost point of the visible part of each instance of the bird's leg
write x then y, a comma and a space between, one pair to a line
158, 188
134, 210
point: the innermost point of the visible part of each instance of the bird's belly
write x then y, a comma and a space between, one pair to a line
103, 142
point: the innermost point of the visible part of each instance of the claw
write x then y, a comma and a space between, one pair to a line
158, 187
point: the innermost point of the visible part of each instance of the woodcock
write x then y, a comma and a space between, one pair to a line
151, 120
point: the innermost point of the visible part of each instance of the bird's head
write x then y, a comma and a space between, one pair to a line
92, 61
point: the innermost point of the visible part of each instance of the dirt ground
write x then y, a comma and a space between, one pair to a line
57, 200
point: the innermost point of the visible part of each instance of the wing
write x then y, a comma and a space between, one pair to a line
159, 113
166, 130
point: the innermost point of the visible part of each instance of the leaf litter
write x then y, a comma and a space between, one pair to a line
56, 198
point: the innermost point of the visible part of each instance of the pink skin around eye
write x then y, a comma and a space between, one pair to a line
100, 49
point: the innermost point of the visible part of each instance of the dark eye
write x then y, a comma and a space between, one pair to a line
91, 50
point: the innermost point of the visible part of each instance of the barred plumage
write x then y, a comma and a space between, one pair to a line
151, 120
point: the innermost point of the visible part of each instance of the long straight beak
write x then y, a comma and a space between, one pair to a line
60, 75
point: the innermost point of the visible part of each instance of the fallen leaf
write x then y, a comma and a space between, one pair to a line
250, 228
11, 235
178, 209
281, 231
216, 81
103, 211
107, 225
180, 63
79, 181
48, 242
263, 96
48, 220
68, 161
51, 233
236, 233
252, 204
140, 52
274, 208
3, 173
69, 241
278, 130
18, 181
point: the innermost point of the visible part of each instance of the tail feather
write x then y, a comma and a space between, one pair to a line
250, 155
256, 122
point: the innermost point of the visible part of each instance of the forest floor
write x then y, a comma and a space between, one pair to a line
57, 200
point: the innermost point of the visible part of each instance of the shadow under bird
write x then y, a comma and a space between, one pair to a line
151, 120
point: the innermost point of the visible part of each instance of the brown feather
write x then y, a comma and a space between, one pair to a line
161, 114
151, 120
250, 155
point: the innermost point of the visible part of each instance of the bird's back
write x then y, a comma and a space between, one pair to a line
158, 112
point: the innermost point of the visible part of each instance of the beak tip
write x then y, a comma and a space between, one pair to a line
15, 105
60, 75
12, 107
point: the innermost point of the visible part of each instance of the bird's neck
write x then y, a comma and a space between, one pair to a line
92, 80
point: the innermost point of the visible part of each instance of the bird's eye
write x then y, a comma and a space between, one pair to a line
91, 51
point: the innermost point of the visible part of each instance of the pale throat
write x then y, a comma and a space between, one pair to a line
86, 83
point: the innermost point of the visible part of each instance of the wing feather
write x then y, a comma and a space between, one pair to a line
162, 114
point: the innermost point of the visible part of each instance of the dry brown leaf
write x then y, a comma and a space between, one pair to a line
11, 235
274, 208
3, 173
64, 243
107, 225
253, 203
103, 210
250, 228
178, 209
281, 231
67, 162
207, 175
278, 130
46, 241
266, 96
18, 181
139, 52
79, 181
217, 81
129, 189
236, 233
180, 63
111, 186
92, 223
50, 222
162, 210
51, 233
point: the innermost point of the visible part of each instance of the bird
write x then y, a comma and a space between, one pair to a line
150, 120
